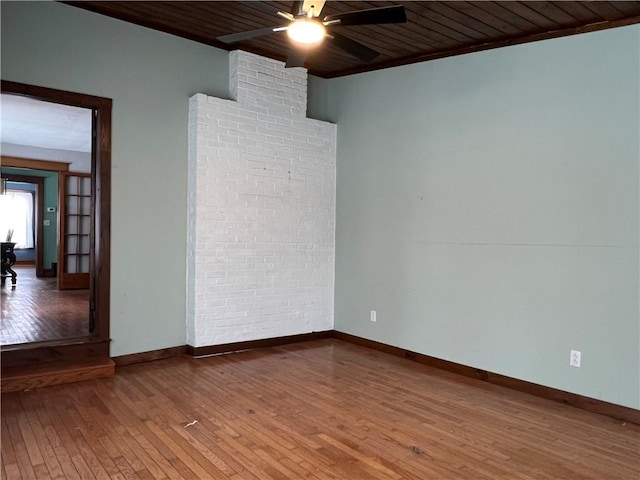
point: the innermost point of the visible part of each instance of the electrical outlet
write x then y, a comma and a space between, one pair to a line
373, 315
574, 358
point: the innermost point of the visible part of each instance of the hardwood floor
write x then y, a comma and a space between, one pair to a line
318, 410
36, 310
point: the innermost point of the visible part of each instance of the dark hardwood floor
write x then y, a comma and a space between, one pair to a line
36, 310
325, 409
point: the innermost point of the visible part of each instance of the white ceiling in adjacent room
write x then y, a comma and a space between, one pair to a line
35, 123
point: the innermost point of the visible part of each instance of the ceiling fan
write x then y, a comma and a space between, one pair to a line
307, 31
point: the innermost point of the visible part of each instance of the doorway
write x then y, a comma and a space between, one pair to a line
90, 237
30, 239
47, 305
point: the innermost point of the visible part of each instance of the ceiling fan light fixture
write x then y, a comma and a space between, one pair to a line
307, 31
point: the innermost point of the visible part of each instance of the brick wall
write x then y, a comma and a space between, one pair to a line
261, 209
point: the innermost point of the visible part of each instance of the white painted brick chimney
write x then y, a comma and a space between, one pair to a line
261, 209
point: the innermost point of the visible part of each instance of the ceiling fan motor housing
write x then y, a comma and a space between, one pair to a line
307, 31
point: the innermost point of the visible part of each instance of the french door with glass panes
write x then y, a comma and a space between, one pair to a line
74, 246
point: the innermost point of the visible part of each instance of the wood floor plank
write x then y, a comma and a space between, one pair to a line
228, 455
133, 450
10, 467
15, 437
83, 468
125, 468
194, 459
41, 471
321, 410
102, 468
12, 471
6, 447
103, 418
153, 440
146, 463
58, 433
217, 461
37, 311
3, 470
33, 449
243, 451
121, 455
54, 469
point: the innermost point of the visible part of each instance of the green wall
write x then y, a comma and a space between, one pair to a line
150, 77
50, 232
487, 209
50, 253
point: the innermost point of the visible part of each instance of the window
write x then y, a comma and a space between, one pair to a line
16, 212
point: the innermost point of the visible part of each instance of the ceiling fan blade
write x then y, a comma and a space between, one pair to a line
297, 8
372, 16
296, 57
354, 48
237, 37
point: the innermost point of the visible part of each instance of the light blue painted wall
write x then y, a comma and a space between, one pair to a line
487, 208
150, 77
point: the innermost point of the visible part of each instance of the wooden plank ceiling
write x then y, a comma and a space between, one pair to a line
433, 29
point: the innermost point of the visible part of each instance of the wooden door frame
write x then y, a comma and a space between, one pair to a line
39, 213
97, 342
